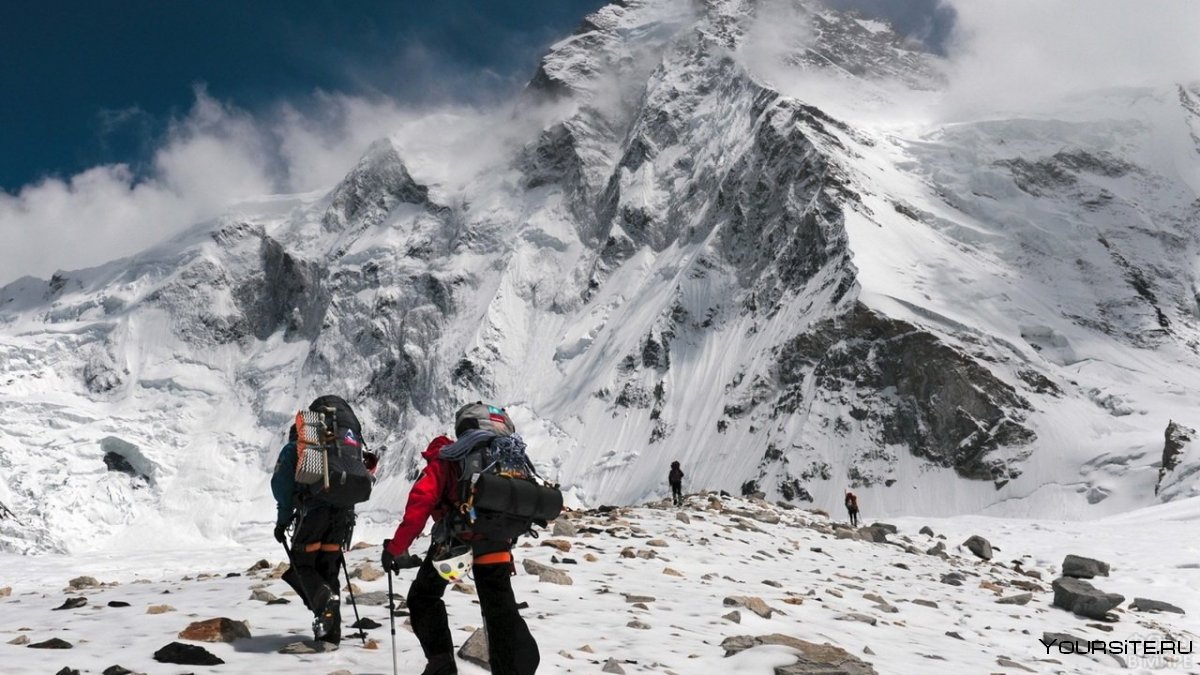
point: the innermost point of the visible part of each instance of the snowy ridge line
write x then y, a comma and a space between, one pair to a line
689, 240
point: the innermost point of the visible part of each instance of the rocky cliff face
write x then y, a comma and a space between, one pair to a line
683, 262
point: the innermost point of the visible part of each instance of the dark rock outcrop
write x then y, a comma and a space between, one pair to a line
1083, 568
186, 655
979, 546
1084, 599
1147, 605
216, 630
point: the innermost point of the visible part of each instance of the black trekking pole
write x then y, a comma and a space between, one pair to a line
362, 632
392, 621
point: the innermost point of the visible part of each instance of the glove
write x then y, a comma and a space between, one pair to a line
395, 563
281, 533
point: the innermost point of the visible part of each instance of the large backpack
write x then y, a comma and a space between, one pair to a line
499, 495
331, 452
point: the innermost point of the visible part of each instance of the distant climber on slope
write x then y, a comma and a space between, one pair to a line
675, 478
852, 508
326, 442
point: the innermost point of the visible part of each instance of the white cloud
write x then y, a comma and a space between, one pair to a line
208, 160
1022, 55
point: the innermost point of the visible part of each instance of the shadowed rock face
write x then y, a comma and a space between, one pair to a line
372, 189
914, 391
289, 295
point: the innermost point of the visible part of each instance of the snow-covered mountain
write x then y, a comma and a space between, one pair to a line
696, 236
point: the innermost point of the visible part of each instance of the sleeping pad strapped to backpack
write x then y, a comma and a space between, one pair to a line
330, 453
500, 495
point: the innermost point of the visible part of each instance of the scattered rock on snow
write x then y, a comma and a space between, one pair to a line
632, 598
927, 531
683, 517
308, 647
564, 528
953, 578
19, 640
753, 603
71, 603
560, 544
79, 583
67, 670
367, 572
1083, 568
117, 603
187, 655
734, 616
1018, 599
873, 533
159, 609
220, 629
372, 598
611, 666
981, 547
856, 616
52, 643
475, 649
260, 565
262, 595
814, 658
117, 670
1009, 663
1146, 605
1082, 598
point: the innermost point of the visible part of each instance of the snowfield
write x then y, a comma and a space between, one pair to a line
660, 590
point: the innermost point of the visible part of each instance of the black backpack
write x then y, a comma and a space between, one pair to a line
331, 453
500, 495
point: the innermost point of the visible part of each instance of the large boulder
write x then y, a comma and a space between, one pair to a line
220, 629
979, 546
814, 659
1082, 598
1080, 567
1147, 605
475, 649
186, 655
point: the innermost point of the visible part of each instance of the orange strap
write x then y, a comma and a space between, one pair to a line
318, 546
497, 558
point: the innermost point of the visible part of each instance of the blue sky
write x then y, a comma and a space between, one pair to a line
86, 82
123, 122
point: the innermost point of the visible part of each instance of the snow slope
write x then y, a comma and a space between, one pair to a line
665, 609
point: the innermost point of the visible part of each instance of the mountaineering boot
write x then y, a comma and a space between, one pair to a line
330, 619
442, 664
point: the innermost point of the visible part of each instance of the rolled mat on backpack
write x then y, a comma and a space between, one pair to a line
507, 507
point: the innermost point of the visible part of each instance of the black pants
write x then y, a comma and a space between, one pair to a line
316, 554
511, 648
853, 517
677, 493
